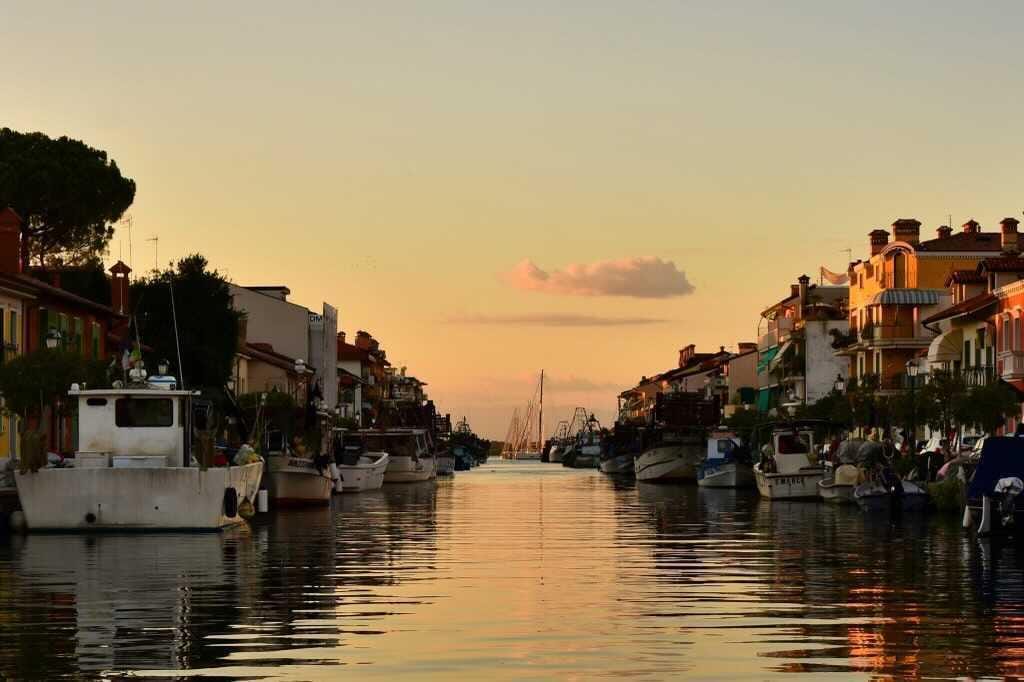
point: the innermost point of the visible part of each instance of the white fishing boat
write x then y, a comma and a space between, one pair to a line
357, 469
789, 469
409, 456
674, 455
618, 464
135, 469
293, 479
725, 465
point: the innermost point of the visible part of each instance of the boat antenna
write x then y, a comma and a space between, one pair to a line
177, 341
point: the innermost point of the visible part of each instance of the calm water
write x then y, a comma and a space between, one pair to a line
520, 571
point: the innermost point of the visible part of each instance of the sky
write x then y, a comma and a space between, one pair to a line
496, 188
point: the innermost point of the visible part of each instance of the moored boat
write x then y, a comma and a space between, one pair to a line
726, 464
135, 469
889, 493
789, 469
445, 463
838, 483
358, 469
674, 454
410, 460
296, 479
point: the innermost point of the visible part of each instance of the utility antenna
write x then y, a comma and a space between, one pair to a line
128, 221
156, 251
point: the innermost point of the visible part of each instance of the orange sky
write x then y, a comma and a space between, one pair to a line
403, 163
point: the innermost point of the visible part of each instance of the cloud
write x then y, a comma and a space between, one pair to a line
555, 320
634, 277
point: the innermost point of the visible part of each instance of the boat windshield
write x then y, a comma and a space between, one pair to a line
725, 446
794, 444
396, 446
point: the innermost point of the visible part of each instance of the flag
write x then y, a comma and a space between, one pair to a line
834, 277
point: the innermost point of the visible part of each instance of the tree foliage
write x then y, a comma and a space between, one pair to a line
67, 192
207, 322
31, 383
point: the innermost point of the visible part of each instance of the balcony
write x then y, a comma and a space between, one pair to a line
1011, 364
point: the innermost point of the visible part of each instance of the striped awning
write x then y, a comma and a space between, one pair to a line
946, 347
780, 355
766, 358
907, 297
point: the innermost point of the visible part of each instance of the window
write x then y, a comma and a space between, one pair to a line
12, 337
1016, 334
144, 412
95, 402
95, 339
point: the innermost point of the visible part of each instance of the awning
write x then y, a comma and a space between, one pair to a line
947, 347
907, 297
766, 359
780, 355
764, 399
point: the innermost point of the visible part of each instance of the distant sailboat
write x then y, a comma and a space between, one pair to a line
519, 440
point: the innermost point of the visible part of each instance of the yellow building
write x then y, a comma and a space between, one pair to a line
903, 282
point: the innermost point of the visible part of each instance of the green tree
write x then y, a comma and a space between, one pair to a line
67, 193
944, 400
207, 322
989, 406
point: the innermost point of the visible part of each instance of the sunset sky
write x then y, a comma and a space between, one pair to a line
492, 188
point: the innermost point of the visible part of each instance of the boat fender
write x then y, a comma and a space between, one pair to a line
17, 521
230, 503
245, 509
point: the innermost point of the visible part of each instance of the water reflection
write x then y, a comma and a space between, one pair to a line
522, 570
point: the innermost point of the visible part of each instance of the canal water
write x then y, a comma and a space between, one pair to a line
520, 571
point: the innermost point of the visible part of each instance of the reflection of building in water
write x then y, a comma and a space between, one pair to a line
134, 599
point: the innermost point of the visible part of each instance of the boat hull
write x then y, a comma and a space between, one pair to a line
621, 465
725, 475
445, 465
159, 498
669, 462
874, 498
296, 482
356, 478
799, 485
836, 493
555, 456
405, 469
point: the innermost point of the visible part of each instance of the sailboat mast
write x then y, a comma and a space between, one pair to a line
540, 421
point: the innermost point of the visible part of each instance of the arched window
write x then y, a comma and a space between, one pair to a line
899, 270
1016, 333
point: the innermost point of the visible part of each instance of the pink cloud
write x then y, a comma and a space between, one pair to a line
634, 277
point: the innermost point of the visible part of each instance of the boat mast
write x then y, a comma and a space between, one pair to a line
540, 421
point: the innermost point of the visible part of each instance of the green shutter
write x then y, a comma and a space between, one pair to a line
14, 329
44, 328
79, 335
95, 340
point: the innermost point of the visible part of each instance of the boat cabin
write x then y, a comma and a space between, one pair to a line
721, 445
793, 449
397, 442
132, 427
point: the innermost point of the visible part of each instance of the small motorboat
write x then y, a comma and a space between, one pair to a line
409, 457
838, 483
789, 469
727, 463
994, 488
356, 469
445, 462
673, 455
887, 492
617, 464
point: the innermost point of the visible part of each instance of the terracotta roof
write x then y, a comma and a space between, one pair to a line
266, 353
964, 241
1002, 264
347, 351
965, 277
971, 305
44, 290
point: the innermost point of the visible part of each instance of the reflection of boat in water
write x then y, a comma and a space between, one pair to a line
727, 463
890, 493
136, 469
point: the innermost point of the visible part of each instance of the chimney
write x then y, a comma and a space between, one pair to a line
944, 231
1009, 228
119, 287
972, 227
686, 354
10, 241
363, 340
341, 337
879, 238
907, 230
794, 291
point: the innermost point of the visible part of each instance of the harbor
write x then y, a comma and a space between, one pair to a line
593, 576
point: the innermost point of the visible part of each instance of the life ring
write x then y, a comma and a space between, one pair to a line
230, 503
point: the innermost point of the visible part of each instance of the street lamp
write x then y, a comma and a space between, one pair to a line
163, 367
840, 384
52, 339
912, 371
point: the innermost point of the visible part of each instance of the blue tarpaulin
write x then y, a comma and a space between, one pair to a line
1000, 458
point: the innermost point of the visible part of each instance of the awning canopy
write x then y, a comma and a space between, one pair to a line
907, 297
764, 399
947, 347
780, 355
766, 359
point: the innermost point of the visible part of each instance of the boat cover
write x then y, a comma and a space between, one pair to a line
1000, 458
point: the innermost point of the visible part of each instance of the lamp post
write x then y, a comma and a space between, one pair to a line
912, 371
53, 339
840, 384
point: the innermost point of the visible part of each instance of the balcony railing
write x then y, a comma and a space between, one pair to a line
1011, 364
